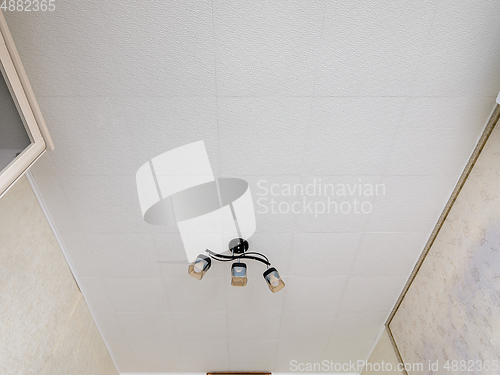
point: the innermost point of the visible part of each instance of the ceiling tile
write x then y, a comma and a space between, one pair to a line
106, 204
304, 325
351, 136
302, 351
96, 295
244, 350
117, 255
392, 254
255, 297
156, 356
435, 151
345, 353
461, 58
79, 255
109, 326
196, 325
375, 293
253, 325
267, 197
358, 326
264, 48
121, 134
410, 203
133, 294
335, 250
147, 327
335, 203
322, 293
122, 355
58, 204
187, 294
361, 58
205, 354
262, 136
106, 50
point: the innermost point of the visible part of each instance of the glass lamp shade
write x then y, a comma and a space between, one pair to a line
273, 280
239, 274
199, 267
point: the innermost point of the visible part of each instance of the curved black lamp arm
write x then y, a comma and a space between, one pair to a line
227, 258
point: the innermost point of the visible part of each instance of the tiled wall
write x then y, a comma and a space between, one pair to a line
452, 309
383, 359
45, 325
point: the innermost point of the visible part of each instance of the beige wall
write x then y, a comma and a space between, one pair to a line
383, 360
45, 325
452, 309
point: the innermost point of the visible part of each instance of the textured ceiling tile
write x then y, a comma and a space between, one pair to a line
253, 325
116, 255
335, 203
139, 295
200, 325
122, 355
463, 53
373, 294
112, 51
466, 114
255, 297
340, 352
109, 326
304, 325
336, 251
410, 203
118, 135
351, 136
156, 356
106, 204
243, 350
58, 204
266, 195
302, 351
358, 326
388, 253
262, 136
147, 327
208, 294
372, 48
435, 151
322, 293
79, 254
205, 354
96, 295
267, 47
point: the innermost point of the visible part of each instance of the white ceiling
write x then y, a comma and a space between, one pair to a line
385, 92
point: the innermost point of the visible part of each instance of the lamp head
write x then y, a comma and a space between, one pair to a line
199, 267
239, 274
273, 279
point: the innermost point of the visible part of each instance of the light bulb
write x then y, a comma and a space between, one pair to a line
197, 268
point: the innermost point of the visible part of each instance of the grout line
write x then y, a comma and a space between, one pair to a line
494, 117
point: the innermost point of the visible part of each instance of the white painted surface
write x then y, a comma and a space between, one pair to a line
283, 92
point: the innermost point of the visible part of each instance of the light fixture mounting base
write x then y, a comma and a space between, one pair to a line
238, 245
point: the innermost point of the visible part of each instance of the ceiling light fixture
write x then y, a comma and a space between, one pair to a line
239, 250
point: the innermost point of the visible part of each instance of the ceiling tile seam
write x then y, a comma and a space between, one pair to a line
311, 103
394, 137
169, 308
214, 41
425, 47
